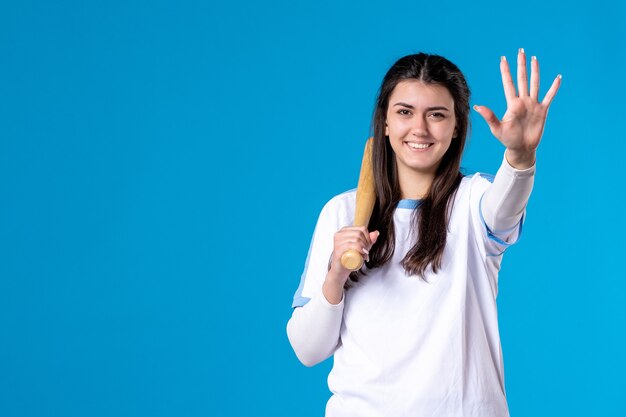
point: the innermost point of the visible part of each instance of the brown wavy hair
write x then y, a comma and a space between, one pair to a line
432, 217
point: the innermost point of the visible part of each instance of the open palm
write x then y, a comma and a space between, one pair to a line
522, 125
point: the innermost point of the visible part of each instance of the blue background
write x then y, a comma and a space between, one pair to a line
163, 164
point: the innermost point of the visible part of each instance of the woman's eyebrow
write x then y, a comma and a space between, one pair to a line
409, 106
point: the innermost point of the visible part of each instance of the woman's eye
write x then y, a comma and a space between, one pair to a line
438, 115
404, 112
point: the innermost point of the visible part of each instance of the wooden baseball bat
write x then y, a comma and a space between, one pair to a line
365, 199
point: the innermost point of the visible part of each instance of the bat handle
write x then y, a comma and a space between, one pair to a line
352, 260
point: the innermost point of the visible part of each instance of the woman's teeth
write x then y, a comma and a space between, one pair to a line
419, 145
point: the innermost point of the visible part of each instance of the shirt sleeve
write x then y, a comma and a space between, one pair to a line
314, 327
502, 206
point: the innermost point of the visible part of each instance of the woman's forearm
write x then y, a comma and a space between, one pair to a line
314, 328
504, 201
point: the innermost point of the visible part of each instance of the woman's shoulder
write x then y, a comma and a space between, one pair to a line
478, 176
473, 186
476, 179
341, 206
342, 201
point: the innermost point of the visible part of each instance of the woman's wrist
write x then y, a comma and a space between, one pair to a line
332, 289
520, 159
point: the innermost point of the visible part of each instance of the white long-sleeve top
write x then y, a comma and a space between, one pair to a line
486, 219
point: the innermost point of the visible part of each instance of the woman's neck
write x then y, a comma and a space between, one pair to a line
415, 185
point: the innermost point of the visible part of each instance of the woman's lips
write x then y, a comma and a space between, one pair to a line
418, 147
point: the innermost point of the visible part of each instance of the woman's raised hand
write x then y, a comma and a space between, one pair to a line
522, 125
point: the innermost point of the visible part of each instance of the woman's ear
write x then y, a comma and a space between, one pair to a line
386, 129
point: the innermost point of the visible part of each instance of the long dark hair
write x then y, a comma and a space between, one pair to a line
431, 219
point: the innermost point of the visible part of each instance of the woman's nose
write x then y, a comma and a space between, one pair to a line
419, 127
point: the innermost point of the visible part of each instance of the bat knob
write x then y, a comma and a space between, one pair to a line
352, 260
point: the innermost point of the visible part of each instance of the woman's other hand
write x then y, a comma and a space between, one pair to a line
349, 237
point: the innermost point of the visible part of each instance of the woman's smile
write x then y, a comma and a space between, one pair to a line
418, 146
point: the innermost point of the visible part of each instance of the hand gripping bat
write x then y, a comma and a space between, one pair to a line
365, 199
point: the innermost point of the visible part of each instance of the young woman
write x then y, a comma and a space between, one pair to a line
415, 331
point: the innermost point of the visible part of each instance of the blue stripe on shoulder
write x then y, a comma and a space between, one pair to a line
486, 176
298, 299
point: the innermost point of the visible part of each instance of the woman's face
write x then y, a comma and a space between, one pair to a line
420, 125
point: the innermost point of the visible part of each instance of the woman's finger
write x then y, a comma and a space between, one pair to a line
507, 80
345, 246
362, 232
522, 78
534, 78
491, 119
552, 91
352, 236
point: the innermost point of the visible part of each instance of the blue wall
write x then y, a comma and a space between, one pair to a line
162, 166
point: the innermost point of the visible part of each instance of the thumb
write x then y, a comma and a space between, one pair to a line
374, 236
490, 118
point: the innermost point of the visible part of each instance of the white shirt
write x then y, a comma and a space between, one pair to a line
403, 346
